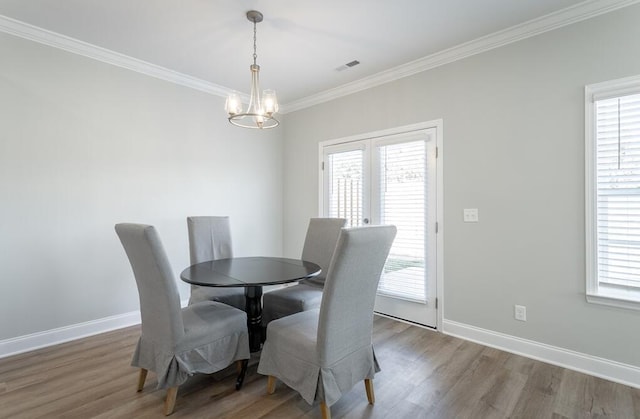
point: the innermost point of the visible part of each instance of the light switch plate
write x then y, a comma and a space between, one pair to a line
470, 215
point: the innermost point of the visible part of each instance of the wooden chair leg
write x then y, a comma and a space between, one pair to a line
368, 385
141, 378
271, 384
325, 410
170, 401
243, 371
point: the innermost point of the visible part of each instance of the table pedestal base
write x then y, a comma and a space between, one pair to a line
253, 308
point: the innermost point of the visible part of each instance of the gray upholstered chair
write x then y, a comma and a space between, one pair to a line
319, 244
175, 343
323, 353
210, 239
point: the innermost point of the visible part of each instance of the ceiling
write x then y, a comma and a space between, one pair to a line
301, 43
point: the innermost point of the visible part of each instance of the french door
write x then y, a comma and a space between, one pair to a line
391, 179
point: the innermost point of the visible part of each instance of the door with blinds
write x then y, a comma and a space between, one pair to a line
391, 180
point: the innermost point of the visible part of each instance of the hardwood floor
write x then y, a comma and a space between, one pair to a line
424, 375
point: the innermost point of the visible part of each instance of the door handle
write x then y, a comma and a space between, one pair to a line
365, 221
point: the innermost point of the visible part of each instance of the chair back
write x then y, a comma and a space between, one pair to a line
320, 243
209, 238
346, 313
157, 289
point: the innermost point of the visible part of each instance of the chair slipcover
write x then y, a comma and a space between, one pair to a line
322, 353
210, 239
175, 343
319, 244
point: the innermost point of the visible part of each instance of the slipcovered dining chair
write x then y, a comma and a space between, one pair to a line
323, 353
319, 245
210, 239
204, 337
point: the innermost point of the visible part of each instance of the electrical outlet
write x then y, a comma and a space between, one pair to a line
520, 313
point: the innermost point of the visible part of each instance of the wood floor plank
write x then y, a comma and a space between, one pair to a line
539, 392
424, 374
606, 397
444, 373
572, 394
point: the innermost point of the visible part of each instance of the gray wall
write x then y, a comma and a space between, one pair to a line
85, 145
514, 148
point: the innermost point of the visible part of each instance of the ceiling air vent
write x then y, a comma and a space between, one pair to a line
348, 65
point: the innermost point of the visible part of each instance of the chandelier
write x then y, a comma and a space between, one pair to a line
260, 112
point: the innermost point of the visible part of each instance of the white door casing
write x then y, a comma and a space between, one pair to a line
394, 177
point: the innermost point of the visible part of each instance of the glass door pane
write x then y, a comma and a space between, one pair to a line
346, 187
402, 175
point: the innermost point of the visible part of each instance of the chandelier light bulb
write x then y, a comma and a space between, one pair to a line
233, 105
269, 102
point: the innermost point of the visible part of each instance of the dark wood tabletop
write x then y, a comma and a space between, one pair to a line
249, 271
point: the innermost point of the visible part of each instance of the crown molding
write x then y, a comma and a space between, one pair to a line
564, 17
56, 40
582, 11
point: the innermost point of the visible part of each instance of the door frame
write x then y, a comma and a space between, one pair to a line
436, 124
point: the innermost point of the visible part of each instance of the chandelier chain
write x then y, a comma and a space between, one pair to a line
255, 54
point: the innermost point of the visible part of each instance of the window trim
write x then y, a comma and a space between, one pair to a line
596, 293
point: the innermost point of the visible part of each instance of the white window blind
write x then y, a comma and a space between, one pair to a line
346, 186
617, 163
402, 203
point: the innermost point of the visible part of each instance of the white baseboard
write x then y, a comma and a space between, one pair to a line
599, 367
51, 337
26, 343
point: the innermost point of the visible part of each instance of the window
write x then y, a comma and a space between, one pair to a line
612, 193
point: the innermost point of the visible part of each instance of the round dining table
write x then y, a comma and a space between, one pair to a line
252, 273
